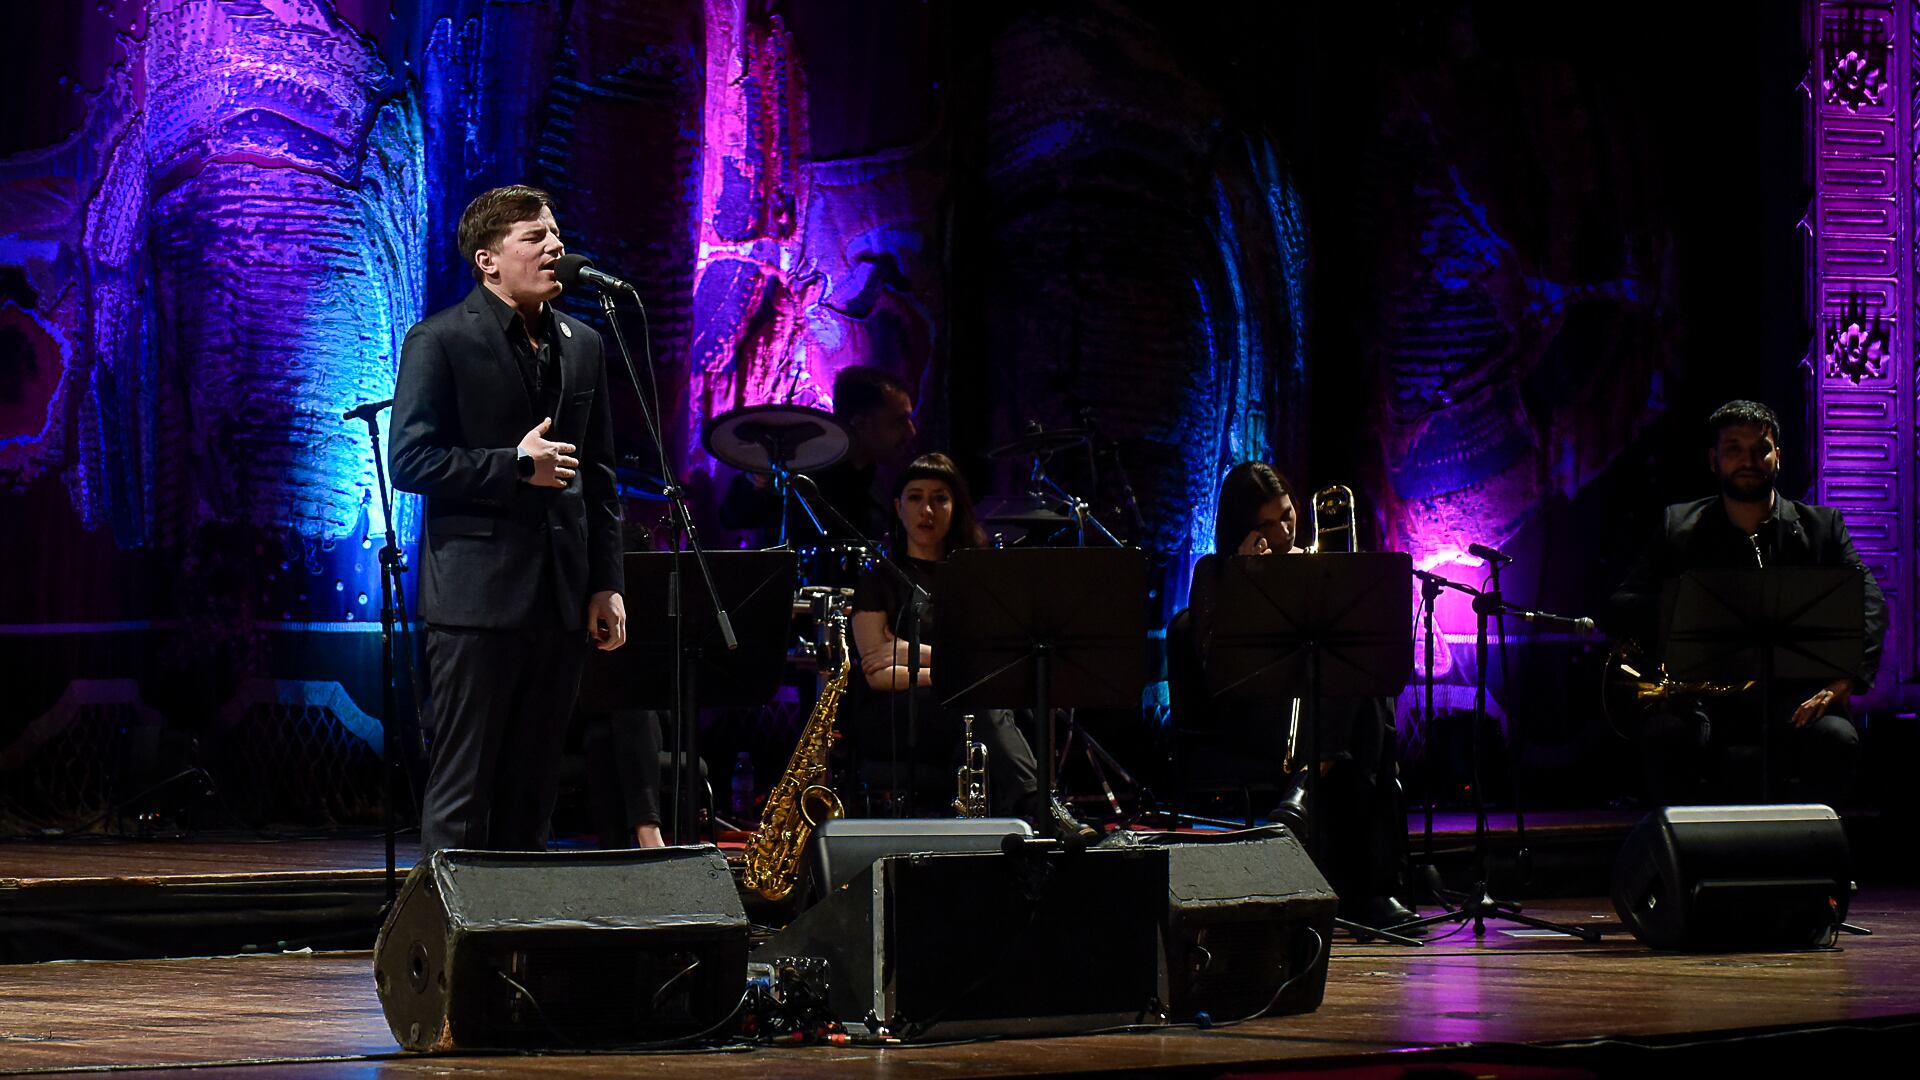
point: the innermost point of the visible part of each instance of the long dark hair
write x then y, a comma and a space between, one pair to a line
1246, 488
964, 531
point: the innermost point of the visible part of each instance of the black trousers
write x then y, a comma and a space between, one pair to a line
623, 771
501, 701
1682, 750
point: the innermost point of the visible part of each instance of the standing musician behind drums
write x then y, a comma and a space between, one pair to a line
877, 409
933, 518
1748, 525
1358, 790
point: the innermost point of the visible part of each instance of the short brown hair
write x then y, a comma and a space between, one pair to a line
963, 531
485, 221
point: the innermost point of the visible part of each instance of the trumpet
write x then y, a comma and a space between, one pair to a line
971, 801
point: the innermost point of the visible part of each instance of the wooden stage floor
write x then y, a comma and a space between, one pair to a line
1506, 989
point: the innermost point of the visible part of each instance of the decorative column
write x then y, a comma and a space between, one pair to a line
1861, 274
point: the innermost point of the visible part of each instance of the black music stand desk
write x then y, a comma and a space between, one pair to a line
1271, 628
757, 588
1801, 623
1043, 627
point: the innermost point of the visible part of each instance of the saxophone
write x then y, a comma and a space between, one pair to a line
799, 802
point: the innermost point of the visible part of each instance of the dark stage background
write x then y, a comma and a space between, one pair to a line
1489, 264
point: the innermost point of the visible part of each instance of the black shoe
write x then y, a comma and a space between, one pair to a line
1064, 827
1383, 913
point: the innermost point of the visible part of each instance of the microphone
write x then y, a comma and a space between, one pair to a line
365, 410
1482, 551
577, 270
1581, 627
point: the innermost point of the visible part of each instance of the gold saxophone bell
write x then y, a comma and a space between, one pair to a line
1634, 685
819, 804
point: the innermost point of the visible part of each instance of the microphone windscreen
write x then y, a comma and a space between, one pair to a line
567, 268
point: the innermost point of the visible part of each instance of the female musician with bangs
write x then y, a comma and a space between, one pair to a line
1358, 788
933, 518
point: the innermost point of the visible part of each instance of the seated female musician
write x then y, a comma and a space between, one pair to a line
1358, 789
933, 518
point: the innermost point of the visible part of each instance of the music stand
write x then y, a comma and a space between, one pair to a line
757, 589
1274, 628
1043, 627
1787, 622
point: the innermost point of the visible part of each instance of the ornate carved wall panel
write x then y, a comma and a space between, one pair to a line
1861, 402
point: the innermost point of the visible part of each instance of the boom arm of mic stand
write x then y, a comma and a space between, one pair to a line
674, 493
784, 478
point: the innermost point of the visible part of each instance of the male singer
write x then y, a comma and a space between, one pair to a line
500, 418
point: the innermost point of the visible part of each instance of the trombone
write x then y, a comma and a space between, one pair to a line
1333, 532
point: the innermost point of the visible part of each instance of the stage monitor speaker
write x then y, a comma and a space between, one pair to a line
489, 949
1034, 941
1249, 922
842, 847
1735, 877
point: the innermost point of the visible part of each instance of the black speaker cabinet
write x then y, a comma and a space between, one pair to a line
959, 945
560, 949
1247, 913
1735, 877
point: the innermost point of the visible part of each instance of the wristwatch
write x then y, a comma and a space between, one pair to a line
524, 463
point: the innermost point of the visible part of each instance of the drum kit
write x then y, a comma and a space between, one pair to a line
782, 441
778, 441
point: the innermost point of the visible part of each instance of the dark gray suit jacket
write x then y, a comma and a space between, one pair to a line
460, 409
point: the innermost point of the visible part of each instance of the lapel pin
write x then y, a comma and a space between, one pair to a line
567, 330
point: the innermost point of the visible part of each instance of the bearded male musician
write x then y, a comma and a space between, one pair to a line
501, 420
1748, 524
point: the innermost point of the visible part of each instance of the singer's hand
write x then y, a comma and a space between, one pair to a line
553, 463
1816, 706
1255, 544
607, 621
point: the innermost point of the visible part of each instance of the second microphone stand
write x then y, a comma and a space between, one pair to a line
1480, 904
686, 716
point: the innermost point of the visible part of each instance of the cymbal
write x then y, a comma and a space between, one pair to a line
1025, 511
757, 438
1042, 442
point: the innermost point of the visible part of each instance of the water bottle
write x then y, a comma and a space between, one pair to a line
743, 786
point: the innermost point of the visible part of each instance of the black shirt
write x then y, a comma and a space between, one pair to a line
879, 591
539, 367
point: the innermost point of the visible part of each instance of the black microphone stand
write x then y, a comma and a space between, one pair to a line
917, 601
1429, 878
1480, 905
685, 714
393, 612
1523, 856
